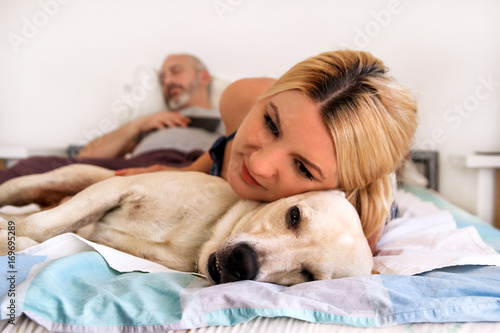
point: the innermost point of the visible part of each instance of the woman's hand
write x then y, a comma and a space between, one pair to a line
136, 171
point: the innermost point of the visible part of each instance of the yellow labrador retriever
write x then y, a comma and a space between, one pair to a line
189, 220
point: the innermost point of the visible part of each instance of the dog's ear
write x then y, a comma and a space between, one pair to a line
375, 271
338, 192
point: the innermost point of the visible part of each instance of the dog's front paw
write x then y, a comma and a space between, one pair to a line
4, 242
4, 224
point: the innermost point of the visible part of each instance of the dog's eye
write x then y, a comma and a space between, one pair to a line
293, 216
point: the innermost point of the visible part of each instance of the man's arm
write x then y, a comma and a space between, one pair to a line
114, 144
124, 139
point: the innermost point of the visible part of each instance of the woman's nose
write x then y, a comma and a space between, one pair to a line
266, 162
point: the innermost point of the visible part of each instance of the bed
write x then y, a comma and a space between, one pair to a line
439, 265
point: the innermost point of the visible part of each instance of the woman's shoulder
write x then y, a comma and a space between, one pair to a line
239, 97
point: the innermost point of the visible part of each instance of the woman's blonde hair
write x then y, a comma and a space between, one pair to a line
372, 120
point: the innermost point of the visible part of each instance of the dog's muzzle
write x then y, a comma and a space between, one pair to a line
236, 264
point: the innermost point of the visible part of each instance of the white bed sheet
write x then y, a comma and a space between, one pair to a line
289, 325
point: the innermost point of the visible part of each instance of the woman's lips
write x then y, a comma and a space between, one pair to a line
247, 177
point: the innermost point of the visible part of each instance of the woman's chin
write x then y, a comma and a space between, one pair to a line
243, 190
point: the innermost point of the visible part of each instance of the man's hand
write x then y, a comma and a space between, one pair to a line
153, 168
161, 120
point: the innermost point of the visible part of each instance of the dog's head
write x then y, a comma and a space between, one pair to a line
307, 237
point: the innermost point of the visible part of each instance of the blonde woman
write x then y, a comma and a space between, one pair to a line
334, 121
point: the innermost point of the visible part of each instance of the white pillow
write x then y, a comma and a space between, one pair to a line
144, 95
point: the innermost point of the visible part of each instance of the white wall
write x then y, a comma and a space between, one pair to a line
64, 63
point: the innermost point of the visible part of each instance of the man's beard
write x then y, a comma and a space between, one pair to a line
179, 101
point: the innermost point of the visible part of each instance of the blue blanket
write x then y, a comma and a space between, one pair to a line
95, 296
81, 292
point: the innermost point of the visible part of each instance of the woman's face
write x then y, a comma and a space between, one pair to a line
282, 148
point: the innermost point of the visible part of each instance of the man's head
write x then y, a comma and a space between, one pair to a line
185, 82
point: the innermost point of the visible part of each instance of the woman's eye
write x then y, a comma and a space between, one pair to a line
271, 126
303, 170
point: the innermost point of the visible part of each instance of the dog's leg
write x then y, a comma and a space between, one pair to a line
51, 187
86, 207
181, 258
10, 243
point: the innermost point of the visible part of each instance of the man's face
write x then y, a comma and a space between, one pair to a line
180, 81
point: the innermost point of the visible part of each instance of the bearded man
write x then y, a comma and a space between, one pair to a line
173, 137
186, 88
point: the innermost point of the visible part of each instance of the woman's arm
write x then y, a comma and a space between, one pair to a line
202, 164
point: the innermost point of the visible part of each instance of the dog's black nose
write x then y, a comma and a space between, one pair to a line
242, 263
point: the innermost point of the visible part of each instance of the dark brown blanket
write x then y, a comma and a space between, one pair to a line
40, 164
